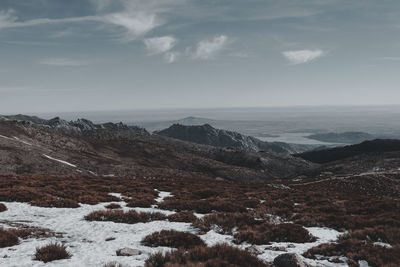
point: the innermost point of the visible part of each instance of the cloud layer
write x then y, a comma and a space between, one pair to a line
63, 62
296, 57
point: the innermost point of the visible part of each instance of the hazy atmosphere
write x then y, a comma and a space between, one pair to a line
82, 55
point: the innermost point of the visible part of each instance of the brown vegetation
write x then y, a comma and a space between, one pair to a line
356, 250
225, 222
184, 216
172, 238
8, 238
216, 256
112, 206
2, 207
119, 216
266, 232
52, 252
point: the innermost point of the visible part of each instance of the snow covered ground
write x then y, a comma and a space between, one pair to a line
86, 240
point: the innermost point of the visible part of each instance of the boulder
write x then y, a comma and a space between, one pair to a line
127, 252
289, 260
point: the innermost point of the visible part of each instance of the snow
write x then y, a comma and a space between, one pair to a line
382, 244
22, 141
2, 136
84, 240
162, 195
363, 263
61, 161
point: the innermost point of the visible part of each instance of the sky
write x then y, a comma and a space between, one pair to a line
83, 55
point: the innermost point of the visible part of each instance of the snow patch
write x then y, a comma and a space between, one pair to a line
84, 240
61, 161
382, 244
162, 195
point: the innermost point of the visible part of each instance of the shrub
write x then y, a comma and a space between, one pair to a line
113, 206
172, 239
265, 233
356, 250
184, 216
216, 256
55, 203
119, 216
7, 238
202, 206
52, 252
2, 207
225, 221
140, 203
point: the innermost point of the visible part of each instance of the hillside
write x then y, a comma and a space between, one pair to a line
122, 151
377, 146
208, 135
344, 138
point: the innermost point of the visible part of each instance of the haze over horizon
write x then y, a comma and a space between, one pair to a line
88, 55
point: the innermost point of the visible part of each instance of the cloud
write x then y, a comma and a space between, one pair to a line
63, 62
171, 57
158, 45
303, 56
208, 49
136, 23
389, 58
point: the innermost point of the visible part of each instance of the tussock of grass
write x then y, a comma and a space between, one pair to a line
112, 206
172, 239
266, 232
8, 238
52, 252
184, 216
2, 207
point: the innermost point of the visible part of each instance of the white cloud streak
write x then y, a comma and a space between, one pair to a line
303, 56
158, 45
208, 49
135, 23
63, 62
171, 57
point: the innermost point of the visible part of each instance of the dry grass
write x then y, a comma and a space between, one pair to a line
216, 256
52, 252
129, 217
266, 232
184, 216
356, 250
8, 238
225, 222
2, 207
112, 206
173, 239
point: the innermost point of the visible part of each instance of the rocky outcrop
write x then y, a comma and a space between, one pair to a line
208, 135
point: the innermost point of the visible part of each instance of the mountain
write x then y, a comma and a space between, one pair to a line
377, 146
344, 138
58, 147
208, 135
79, 126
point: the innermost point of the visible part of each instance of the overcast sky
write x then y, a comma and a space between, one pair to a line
73, 55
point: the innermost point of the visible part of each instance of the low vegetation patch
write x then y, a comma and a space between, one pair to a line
266, 233
173, 239
52, 252
224, 222
8, 238
53, 202
112, 206
356, 250
119, 216
184, 216
2, 207
219, 255
203, 205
